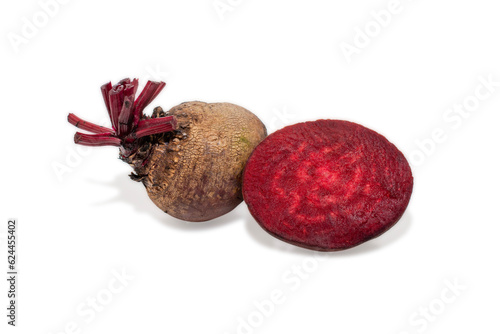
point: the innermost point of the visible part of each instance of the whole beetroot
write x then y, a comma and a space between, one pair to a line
190, 159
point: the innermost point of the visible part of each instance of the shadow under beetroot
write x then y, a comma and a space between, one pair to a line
135, 195
392, 235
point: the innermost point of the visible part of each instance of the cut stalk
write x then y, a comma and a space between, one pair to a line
102, 139
105, 89
147, 95
147, 123
125, 118
115, 104
153, 129
87, 126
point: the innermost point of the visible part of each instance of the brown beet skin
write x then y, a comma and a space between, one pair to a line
194, 173
327, 185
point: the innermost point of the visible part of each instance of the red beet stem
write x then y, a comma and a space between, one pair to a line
158, 88
147, 123
105, 91
150, 91
101, 139
87, 126
124, 81
124, 124
135, 84
115, 104
155, 126
125, 118
140, 102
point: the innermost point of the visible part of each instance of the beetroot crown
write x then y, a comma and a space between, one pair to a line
126, 115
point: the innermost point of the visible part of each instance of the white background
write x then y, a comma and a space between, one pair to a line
282, 60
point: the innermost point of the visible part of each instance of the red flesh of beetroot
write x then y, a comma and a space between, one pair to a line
126, 117
327, 185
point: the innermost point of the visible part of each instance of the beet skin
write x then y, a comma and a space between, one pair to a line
327, 185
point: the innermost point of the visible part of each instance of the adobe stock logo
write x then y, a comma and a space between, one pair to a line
31, 26
453, 118
88, 310
363, 36
292, 280
280, 117
222, 7
420, 320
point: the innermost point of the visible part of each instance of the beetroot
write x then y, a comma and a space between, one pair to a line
327, 185
190, 159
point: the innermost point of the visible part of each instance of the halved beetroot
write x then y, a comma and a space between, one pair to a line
327, 185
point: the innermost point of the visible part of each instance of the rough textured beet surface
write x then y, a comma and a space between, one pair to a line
327, 185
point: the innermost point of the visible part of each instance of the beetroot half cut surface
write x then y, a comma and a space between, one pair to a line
327, 185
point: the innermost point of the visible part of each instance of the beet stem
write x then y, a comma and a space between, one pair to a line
150, 91
87, 126
147, 123
125, 81
101, 139
105, 91
125, 118
156, 127
158, 88
140, 102
115, 103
